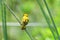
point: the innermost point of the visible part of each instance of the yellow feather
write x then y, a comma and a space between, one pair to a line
25, 21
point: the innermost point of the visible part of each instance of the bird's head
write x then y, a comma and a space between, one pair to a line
26, 15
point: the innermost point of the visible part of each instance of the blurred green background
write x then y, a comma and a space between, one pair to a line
31, 7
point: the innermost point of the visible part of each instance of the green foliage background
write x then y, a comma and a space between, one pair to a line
35, 16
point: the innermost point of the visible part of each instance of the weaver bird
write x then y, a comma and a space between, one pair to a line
25, 21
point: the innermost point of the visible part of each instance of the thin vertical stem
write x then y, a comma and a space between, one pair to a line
4, 22
29, 34
51, 17
47, 19
12, 13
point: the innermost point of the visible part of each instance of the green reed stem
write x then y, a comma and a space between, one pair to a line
47, 19
12, 13
51, 17
17, 19
29, 34
4, 21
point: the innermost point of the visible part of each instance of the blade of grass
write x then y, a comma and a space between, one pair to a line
47, 19
51, 17
17, 20
29, 34
12, 13
4, 21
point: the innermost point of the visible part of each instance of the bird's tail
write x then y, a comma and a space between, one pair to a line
23, 28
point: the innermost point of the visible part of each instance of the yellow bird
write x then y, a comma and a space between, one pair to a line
25, 21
